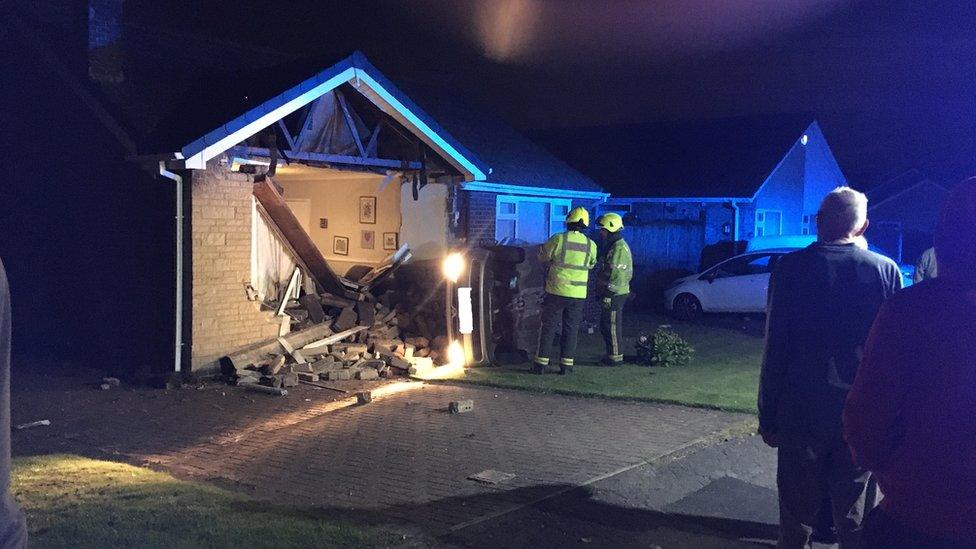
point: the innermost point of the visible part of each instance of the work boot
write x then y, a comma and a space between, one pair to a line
538, 369
607, 361
565, 368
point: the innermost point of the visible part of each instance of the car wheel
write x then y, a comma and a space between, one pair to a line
687, 307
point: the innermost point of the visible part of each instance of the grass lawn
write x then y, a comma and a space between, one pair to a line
724, 373
76, 501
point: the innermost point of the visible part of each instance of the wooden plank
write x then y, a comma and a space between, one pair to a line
289, 290
258, 352
371, 146
322, 386
335, 338
288, 137
290, 228
350, 123
331, 159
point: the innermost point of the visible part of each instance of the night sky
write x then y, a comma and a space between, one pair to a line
892, 82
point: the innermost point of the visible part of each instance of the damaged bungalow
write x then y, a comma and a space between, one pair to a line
340, 176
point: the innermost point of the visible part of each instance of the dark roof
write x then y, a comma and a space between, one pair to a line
897, 185
726, 157
512, 157
505, 156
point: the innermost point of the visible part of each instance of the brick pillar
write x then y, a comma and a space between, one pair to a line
223, 319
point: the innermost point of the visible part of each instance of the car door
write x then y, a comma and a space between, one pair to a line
738, 284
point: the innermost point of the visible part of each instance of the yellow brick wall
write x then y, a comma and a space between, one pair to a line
223, 319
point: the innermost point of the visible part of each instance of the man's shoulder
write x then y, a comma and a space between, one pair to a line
879, 260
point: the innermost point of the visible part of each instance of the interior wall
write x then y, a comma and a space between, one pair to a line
334, 195
425, 220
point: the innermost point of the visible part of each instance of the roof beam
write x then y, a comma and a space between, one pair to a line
349, 122
388, 103
332, 158
371, 146
288, 136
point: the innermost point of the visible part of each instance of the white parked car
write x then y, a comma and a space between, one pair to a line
736, 285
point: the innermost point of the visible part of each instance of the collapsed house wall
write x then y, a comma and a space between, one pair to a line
222, 317
334, 196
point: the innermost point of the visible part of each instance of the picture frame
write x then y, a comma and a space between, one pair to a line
368, 240
340, 245
390, 241
367, 210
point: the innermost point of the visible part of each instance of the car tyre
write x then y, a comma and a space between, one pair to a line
687, 307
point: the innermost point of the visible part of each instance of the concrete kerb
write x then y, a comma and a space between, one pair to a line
743, 428
565, 392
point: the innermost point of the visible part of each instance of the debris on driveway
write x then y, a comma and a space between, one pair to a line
41, 423
491, 476
460, 406
352, 339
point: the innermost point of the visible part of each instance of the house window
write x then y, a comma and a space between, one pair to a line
805, 227
769, 222
530, 219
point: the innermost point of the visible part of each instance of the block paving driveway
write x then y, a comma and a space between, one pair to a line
401, 459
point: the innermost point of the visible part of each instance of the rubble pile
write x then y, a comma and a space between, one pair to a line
336, 339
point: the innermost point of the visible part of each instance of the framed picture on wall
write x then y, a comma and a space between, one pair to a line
367, 209
340, 245
390, 241
369, 240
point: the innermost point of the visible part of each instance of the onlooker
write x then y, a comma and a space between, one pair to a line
927, 267
911, 416
13, 528
822, 300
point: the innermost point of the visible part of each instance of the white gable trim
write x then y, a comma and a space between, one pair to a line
199, 160
389, 104
505, 188
366, 85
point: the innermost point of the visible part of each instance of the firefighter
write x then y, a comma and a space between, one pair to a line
616, 267
569, 257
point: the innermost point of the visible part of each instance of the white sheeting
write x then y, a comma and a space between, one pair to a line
271, 264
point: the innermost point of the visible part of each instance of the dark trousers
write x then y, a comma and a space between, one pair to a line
559, 315
611, 326
806, 479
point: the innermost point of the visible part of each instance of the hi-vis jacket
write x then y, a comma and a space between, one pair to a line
616, 270
570, 256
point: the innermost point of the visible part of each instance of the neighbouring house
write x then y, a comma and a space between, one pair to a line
903, 213
362, 166
684, 186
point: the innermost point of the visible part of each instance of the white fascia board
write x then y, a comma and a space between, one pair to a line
199, 160
436, 140
504, 188
677, 199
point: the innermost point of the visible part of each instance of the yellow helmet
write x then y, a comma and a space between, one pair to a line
579, 214
611, 221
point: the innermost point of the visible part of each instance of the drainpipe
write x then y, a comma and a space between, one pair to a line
178, 339
735, 221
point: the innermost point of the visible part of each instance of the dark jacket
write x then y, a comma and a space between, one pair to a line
822, 301
911, 416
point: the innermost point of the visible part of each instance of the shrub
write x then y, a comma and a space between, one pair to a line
664, 348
